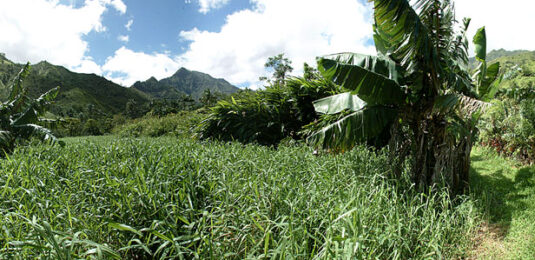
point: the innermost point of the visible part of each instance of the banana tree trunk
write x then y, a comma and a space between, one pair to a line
438, 159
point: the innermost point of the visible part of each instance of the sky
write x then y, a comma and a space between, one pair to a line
132, 40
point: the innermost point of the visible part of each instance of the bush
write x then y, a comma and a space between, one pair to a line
180, 124
509, 127
267, 116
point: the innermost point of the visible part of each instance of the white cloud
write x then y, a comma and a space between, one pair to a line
87, 65
508, 25
128, 25
208, 5
51, 31
238, 52
119, 6
127, 66
123, 38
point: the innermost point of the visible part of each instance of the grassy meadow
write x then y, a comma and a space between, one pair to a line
504, 191
167, 198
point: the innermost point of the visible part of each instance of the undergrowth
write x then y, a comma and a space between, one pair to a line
178, 198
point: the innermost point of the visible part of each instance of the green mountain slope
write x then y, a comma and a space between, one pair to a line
184, 82
519, 70
77, 91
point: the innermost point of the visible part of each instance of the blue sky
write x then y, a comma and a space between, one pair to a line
130, 40
156, 26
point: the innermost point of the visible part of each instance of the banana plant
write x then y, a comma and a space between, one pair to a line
20, 115
417, 87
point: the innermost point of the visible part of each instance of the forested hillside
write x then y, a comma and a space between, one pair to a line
78, 91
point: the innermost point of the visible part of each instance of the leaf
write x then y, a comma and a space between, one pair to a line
28, 117
378, 64
355, 128
487, 89
45, 99
124, 227
28, 130
480, 42
458, 102
338, 103
374, 82
469, 106
400, 27
446, 103
16, 87
493, 89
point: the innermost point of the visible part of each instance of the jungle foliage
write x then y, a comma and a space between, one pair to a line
509, 126
267, 116
418, 87
21, 116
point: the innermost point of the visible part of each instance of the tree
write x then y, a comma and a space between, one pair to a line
281, 67
132, 109
20, 115
208, 98
417, 88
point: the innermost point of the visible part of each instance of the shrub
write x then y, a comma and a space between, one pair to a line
180, 124
509, 128
267, 116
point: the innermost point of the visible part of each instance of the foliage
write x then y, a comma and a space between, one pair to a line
20, 115
509, 126
180, 124
267, 116
281, 66
418, 88
169, 198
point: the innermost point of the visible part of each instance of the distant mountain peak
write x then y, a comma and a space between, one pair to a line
184, 81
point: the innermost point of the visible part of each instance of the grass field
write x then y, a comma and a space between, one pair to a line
168, 198
505, 191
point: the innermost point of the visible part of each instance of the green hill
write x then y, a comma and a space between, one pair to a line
78, 91
184, 82
518, 68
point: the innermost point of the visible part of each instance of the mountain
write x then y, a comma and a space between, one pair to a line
78, 91
184, 81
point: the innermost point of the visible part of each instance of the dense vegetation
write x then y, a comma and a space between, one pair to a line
419, 106
91, 105
169, 197
509, 126
181, 124
20, 115
270, 115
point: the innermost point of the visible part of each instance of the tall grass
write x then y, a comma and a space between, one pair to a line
169, 198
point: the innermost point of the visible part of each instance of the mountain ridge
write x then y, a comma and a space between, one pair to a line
184, 82
80, 92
